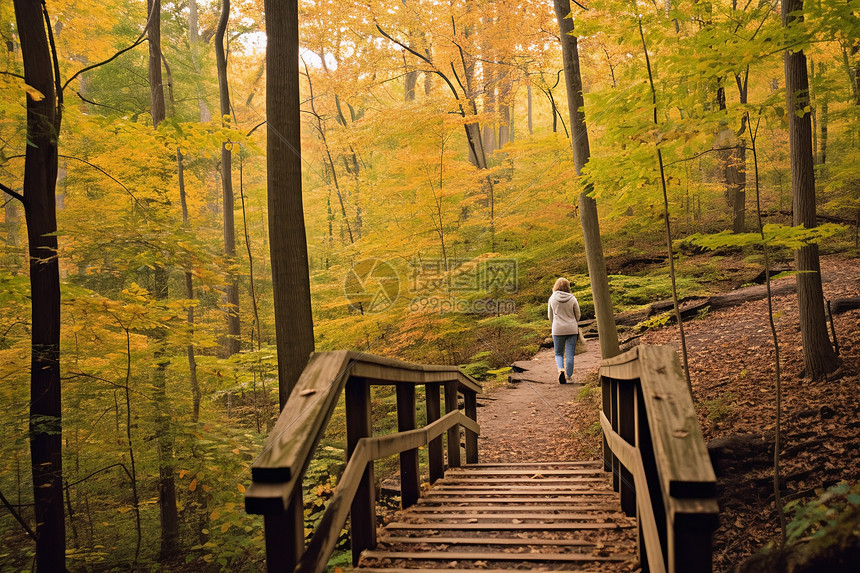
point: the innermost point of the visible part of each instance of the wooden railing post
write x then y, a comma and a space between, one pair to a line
606, 396
407, 420
691, 542
435, 455
470, 400
285, 536
363, 508
613, 404
627, 430
451, 405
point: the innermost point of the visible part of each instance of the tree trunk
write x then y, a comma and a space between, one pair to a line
166, 487
428, 83
587, 205
529, 112
504, 108
489, 136
189, 279
194, 42
823, 119
411, 81
818, 355
40, 178
289, 254
234, 331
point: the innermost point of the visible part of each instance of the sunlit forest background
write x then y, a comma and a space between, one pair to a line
417, 250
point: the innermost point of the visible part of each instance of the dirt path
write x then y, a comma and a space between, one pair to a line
534, 420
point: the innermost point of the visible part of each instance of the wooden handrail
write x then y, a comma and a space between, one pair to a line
323, 542
277, 473
653, 445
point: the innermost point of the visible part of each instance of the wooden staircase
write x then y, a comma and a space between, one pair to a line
652, 499
538, 516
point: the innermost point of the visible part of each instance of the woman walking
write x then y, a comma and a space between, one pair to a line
563, 312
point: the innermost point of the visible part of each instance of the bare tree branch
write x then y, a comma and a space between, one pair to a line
11, 193
140, 39
17, 516
108, 175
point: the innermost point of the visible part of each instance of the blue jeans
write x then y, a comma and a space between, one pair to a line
565, 346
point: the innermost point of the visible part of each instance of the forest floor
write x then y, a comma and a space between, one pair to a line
733, 373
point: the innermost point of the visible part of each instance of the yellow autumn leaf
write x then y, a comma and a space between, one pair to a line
240, 487
193, 485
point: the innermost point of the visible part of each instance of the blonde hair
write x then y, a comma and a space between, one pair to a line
562, 284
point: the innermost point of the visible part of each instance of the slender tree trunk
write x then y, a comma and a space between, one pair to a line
189, 279
818, 355
189, 294
489, 135
164, 437
587, 205
824, 118
505, 117
411, 81
234, 332
40, 178
529, 109
194, 41
289, 254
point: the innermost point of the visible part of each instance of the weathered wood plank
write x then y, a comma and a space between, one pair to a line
570, 526
363, 508
527, 472
435, 453
685, 467
383, 370
480, 517
407, 419
365, 450
453, 439
302, 421
624, 366
515, 541
504, 508
580, 484
534, 569
471, 410
535, 497
630, 458
466, 480
595, 463
494, 556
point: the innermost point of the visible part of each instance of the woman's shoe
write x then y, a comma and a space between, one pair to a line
561, 378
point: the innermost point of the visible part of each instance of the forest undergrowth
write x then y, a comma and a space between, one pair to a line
732, 367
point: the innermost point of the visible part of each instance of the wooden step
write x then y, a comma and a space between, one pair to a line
469, 570
454, 517
512, 481
536, 497
524, 541
535, 516
565, 526
528, 473
491, 556
423, 508
534, 464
